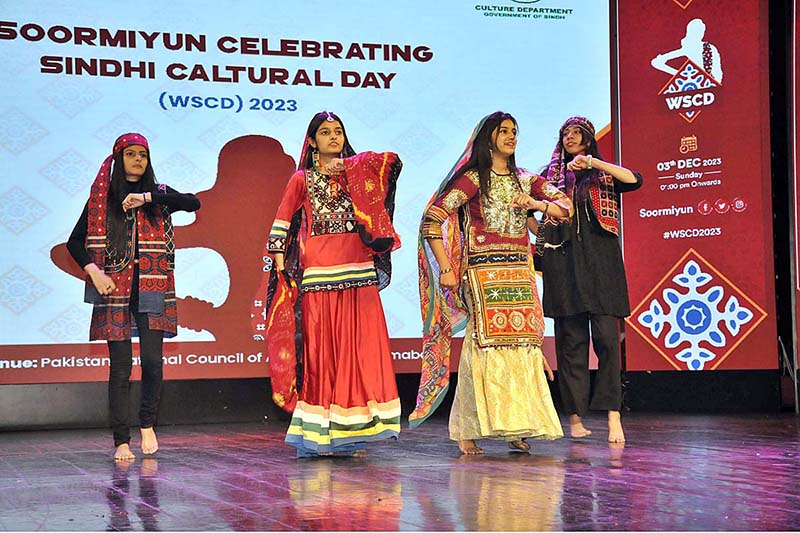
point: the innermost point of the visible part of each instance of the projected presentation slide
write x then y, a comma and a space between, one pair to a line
224, 92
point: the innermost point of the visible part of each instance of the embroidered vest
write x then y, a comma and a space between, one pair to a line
605, 203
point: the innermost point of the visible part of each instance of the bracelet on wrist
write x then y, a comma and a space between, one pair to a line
589, 163
546, 207
446, 270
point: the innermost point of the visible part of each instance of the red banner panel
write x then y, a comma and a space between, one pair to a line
694, 119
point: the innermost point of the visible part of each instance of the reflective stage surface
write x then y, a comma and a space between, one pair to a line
675, 473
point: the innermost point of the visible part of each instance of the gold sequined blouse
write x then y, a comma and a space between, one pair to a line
490, 224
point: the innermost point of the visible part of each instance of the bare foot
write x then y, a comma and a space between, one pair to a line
123, 453
615, 433
359, 453
149, 441
519, 446
576, 429
468, 447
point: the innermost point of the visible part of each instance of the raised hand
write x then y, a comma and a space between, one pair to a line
133, 200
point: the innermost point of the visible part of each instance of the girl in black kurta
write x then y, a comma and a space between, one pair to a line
123, 241
584, 276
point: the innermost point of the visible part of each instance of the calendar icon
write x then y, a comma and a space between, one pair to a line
688, 144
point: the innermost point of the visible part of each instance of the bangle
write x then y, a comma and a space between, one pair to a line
446, 271
546, 207
144, 198
589, 163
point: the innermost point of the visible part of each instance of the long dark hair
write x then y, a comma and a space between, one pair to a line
584, 179
481, 157
116, 222
311, 132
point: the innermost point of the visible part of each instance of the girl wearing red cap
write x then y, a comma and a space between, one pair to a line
124, 242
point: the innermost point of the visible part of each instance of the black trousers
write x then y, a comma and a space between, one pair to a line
572, 353
119, 379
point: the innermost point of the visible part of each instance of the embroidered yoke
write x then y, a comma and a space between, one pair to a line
339, 261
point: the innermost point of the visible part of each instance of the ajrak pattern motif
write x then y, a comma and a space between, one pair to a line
698, 327
111, 316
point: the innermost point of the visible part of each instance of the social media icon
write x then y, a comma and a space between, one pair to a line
705, 207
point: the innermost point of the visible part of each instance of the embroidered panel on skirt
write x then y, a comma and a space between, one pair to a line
506, 305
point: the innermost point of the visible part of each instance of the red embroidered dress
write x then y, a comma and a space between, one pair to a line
348, 394
337, 259
502, 391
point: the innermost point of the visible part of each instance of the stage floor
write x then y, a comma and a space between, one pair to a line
675, 473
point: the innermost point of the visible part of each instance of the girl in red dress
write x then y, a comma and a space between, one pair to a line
331, 241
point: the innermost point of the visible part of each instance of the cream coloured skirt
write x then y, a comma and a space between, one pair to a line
502, 393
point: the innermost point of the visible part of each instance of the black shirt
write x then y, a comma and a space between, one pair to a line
586, 274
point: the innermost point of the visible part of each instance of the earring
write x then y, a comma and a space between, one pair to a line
315, 158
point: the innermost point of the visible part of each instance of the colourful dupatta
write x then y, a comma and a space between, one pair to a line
443, 313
